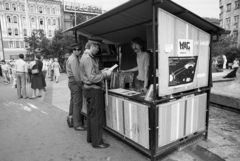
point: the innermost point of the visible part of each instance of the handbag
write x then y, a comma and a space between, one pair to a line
35, 71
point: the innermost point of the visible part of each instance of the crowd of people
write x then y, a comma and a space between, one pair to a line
34, 72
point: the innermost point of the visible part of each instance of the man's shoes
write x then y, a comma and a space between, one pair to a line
70, 121
26, 98
44, 89
80, 128
101, 146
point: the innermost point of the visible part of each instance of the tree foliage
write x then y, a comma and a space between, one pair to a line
226, 46
55, 47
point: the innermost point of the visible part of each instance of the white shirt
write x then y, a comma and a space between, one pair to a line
21, 66
44, 68
5, 67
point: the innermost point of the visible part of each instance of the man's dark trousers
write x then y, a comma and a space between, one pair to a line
95, 115
75, 106
52, 73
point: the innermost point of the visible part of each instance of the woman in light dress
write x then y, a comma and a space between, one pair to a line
56, 69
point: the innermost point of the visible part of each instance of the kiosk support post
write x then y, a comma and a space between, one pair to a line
154, 51
209, 85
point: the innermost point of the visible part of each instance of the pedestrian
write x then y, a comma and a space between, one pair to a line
75, 85
5, 72
36, 81
56, 68
92, 78
21, 77
224, 61
51, 69
44, 72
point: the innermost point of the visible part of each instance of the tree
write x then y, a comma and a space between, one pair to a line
60, 44
34, 41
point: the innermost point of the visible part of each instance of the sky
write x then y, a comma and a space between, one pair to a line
203, 8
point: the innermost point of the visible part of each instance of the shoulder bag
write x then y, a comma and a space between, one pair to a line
35, 71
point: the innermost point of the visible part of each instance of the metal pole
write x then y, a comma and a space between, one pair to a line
75, 13
1, 42
27, 18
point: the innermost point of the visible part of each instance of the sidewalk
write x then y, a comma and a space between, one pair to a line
223, 139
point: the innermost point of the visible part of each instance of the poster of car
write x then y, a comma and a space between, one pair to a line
181, 70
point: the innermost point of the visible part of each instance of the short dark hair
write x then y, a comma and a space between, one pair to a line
38, 57
21, 56
137, 40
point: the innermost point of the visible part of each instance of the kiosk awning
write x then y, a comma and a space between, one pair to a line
129, 20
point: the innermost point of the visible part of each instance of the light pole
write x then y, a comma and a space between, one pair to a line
2, 56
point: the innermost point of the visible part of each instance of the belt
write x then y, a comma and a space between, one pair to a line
20, 72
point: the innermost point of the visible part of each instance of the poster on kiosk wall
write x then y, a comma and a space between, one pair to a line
182, 68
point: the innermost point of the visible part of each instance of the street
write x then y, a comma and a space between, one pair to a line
36, 130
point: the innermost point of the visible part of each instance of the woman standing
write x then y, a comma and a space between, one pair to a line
36, 81
56, 69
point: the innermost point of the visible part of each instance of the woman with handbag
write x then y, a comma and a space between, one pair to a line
36, 81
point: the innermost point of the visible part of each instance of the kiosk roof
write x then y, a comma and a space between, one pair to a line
129, 20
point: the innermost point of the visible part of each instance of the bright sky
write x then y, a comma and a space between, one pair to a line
203, 8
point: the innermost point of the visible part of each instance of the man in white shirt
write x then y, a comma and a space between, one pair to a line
21, 75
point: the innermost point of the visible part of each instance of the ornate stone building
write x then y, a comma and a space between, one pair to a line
19, 17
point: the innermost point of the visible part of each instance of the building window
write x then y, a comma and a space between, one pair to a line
53, 11
6, 6
8, 19
235, 34
48, 10
50, 33
41, 21
49, 22
40, 10
14, 19
22, 7
229, 7
54, 22
228, 21
9, 32
14, 7
221, 23
31, 9
10, 44
17, 44
25, 45
23, 20
16, 32
221, 9
237, 5
25, 32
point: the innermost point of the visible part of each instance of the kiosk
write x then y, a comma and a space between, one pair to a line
174, 112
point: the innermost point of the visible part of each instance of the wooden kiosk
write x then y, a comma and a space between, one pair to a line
179, 43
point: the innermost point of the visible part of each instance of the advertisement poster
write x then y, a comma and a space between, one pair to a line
181, 70
79, 7
185, 47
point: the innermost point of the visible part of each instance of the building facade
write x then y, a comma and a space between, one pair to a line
71, 9
18, 19
229, 17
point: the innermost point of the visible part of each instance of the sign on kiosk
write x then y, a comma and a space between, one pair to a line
185, 47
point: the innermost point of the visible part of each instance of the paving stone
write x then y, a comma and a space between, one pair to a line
226, 151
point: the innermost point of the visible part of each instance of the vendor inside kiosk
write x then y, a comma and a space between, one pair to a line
173, 111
